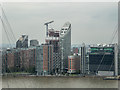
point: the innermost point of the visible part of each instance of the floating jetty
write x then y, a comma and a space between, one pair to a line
112, 78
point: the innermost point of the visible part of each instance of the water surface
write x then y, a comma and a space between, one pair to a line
57, 82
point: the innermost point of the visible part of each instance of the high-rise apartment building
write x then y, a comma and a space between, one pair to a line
22, 42
44, 59
65, 45
83, 59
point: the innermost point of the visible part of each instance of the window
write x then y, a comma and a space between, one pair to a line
61, 31
65, 31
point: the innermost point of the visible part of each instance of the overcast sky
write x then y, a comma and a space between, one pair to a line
91, 22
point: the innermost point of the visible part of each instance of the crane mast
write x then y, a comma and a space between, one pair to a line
47, 27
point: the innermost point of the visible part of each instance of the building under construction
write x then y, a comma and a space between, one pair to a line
61, 41
53, 38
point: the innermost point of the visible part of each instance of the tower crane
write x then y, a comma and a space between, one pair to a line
47, 27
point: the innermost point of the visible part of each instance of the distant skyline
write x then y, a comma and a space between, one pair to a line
91, 22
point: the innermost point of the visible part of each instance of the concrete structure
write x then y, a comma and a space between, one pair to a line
22, 42
101, 58
74, 64
65, 45
44, 59
34, 43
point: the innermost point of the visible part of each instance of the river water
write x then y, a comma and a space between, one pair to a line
57, 82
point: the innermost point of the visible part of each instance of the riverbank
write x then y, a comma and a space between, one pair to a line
61, 76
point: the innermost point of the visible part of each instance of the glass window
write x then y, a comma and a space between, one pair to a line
61, 31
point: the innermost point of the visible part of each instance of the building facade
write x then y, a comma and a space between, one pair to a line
0, 62
119, 38
53, 38
101, 58
44, 59
75, 50
17, 60
83, 59
74, 64
8, 61
22, 42
65, 45
34, 43
24, 59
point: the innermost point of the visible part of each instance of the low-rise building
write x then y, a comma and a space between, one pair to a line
74, 64
101, 58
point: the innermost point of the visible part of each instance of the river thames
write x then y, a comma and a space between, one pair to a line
57, 82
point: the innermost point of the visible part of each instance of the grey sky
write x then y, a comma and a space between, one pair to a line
91, 22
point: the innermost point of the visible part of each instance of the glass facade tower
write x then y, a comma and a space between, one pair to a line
65, 45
